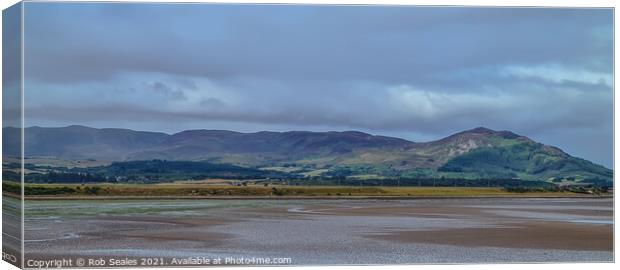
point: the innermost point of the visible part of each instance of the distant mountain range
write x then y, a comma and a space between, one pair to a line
476, 154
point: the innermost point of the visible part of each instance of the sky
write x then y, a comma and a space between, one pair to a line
419, 73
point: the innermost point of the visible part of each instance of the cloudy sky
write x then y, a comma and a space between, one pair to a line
420, 73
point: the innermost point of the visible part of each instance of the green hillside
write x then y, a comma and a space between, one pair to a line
467, 156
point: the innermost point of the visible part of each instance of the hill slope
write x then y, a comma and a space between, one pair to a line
79, 142
472, 154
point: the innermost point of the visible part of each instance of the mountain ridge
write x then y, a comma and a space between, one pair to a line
476, 153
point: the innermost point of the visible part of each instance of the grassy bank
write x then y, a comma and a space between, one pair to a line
205, 191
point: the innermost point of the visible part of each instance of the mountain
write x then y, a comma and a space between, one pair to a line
478, 153
264, 147
500, 153
79, 142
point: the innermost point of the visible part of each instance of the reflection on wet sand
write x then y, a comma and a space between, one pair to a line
327, 231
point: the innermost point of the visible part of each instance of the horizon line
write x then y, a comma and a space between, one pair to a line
254, 132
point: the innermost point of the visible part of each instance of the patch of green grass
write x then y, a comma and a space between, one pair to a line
189, 190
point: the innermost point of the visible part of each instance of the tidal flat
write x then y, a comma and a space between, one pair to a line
326, 232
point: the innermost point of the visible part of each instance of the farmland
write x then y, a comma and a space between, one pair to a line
221, 189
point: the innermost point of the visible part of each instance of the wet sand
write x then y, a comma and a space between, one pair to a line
327, 232
533, 235
11, 230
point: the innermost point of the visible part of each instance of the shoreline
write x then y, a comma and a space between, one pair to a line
438, 197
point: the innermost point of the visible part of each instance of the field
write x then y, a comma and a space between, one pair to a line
222, 188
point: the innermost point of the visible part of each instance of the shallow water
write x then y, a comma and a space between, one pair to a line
315, 231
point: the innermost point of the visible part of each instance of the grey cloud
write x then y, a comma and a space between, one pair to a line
11, 46
163, 89
393, 44
212, 103
375, 106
